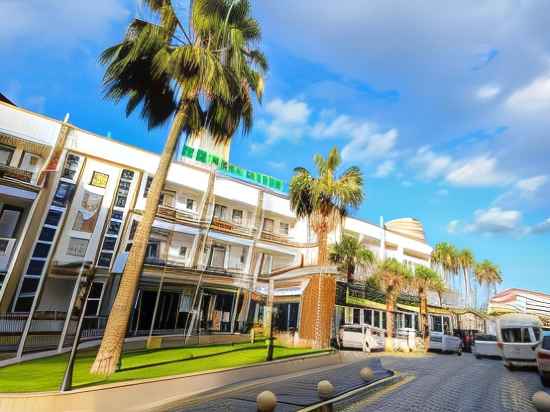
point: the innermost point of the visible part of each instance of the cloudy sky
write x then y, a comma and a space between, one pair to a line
444, 105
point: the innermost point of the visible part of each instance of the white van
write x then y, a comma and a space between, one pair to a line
441, 335
518, 336
363, 337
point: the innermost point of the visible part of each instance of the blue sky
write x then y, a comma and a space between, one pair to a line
445, 110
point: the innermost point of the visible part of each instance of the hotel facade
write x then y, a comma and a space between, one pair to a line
225, 245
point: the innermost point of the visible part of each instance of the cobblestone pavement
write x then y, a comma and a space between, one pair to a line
295, 392
452, 383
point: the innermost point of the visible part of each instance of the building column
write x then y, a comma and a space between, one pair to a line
269, 309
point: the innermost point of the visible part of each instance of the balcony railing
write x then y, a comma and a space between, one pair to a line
178, 215
172, 264
226, 225
284, 240
16, 173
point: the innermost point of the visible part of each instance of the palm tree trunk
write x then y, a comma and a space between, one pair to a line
113, 338
322, 235
466, 294
390, 308
424, 319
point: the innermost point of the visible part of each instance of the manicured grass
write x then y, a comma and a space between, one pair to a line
46, 374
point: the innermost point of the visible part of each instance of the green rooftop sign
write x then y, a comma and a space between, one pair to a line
202, 156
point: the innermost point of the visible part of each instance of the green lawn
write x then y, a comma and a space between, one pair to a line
46, 374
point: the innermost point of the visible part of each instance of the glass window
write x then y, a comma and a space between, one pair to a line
53, 218
63, 194
283, 228
147, 186
114, 228
6, 154
71, 166
104, 259
546, 342
377, 318
237, 216
109, 243
525, 336
77, 247
153, 249
23, 304
437, 324
446, 325
511, 335
536, 332
94, 299
122, 193
117, 214
35, 267
219, 211
9, 219
133, 229
29, 285
41, 250
268, 225
190, 204
47, 234
356, 316
127, 174
368, 316
183, 250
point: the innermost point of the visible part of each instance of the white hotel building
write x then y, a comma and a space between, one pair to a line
223, 238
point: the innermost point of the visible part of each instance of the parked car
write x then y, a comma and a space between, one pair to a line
442, 342
364, 337
543, 359
518, 336
486, 346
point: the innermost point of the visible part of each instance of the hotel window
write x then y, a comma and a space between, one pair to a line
219, 211
268, 225
63, 194
356, 316
94, 299
122, 193
6, 153
283, 228
9, 219
237, 216
367, 316
190, 204
71, 167
167, 199
153, 250
147, 185
183, 251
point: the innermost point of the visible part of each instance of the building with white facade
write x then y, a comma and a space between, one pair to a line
521, 301
225, 241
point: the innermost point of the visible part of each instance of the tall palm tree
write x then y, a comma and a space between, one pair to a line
489, 274
202, 77
466, 262
444, 258
391, 277
323, 200
350, 253
425, 280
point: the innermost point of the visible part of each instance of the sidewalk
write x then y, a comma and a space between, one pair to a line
293, 392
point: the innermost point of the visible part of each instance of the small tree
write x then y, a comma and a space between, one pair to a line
425, 280
350, 253
391, 277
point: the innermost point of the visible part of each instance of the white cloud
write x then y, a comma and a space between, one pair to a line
487, 92
366, 146
534, 97
495, 220
452, 226
385, 168
478, 171
429, 164
341, 126
532, 184
288, 119
541, 228
442, 192
59, 23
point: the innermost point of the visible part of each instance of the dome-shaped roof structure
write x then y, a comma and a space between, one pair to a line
407, 226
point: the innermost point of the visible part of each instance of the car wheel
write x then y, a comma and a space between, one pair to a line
459, 352
509, 366
545, 380
478, 356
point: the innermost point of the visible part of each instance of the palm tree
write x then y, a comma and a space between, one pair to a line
391, 277
445, 259
425, 280
202, 77
489, 274
323, 200
350, 253
466, 262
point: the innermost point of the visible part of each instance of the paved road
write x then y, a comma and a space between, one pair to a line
452, 383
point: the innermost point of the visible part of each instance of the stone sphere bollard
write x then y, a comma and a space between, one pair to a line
541, 400
366, 374
325, 389
266, 401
